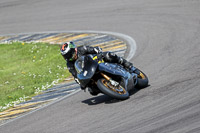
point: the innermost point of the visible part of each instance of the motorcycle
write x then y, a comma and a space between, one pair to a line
108, 78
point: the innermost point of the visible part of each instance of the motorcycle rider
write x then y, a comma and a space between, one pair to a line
70, 53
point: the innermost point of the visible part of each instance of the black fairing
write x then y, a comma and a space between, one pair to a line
86, 68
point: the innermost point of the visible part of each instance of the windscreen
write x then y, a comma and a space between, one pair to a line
79, 64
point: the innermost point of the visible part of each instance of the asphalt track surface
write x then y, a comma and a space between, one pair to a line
167, 33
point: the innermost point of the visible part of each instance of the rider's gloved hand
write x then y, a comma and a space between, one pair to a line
100, 56
92, 92
98, 50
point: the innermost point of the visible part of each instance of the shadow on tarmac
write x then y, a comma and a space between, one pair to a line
106, 99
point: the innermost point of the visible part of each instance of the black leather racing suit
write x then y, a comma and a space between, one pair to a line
107, 56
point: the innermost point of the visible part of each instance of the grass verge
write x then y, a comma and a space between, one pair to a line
28, 68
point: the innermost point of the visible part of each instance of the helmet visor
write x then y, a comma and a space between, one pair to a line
72, 45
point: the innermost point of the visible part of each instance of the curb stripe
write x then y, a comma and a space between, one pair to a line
41, 36
85, 39
3, 37
74, 37
113, 44
116, 47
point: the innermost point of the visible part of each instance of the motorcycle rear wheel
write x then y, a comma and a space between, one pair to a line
142, 80
112, 91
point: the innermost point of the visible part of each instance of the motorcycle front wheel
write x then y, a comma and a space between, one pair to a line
117, 92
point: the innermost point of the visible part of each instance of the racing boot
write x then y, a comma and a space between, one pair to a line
127, 65
93, 91
132, 69
112, 57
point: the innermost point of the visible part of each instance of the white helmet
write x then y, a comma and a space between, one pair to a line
68, 51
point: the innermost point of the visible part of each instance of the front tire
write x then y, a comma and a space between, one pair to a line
112, 91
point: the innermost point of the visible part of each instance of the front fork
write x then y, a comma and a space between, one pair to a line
114, 83
105, 76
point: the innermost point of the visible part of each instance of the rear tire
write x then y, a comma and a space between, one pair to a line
114, 92
142, 80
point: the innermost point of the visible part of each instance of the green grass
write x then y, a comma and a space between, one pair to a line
28, 68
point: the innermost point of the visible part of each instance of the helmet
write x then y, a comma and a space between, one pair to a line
68, 51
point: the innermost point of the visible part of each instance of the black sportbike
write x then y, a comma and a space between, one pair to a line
109, 78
